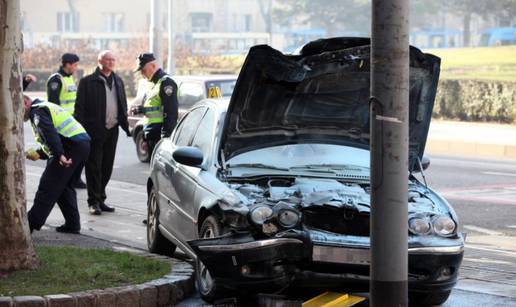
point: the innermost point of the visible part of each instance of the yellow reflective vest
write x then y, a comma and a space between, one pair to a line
68, 93
152, 107
65, 124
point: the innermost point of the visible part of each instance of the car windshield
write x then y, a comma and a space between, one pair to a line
305, 156
226, 86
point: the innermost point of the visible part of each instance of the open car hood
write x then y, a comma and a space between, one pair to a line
319, 96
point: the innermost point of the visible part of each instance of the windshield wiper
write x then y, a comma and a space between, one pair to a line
258, 165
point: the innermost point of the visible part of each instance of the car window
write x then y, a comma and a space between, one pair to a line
188, 126
202, 138
226, 86
190, 93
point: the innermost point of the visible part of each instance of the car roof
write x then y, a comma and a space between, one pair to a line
206, 77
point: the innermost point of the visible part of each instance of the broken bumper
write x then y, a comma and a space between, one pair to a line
303, 260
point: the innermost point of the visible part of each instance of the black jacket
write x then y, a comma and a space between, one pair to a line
90, 106
168, 96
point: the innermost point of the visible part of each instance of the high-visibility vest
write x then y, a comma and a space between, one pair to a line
68, 93
65, 124
152, 107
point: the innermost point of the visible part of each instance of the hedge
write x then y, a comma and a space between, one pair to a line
476, 100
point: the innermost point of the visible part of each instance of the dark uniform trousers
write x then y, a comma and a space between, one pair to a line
57, 185
99, 165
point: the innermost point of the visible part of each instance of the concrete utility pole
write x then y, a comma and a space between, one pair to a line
171, 63
156, 31
389, 152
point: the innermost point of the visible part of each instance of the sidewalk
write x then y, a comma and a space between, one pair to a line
481, 140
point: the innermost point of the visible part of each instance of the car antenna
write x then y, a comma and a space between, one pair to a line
422, 171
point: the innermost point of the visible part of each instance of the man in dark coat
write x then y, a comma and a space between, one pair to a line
101, 107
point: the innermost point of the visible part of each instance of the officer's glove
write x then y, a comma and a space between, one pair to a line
32, 154
137, 109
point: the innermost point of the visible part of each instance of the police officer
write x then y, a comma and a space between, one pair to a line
66, 145
160, 104
61, 90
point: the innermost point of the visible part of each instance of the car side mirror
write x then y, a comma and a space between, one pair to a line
190, 156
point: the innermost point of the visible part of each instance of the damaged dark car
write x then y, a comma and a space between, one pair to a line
271, 188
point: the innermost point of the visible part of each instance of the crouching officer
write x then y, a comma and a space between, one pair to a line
160, 106
66, 145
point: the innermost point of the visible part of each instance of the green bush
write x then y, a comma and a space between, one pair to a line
476, 100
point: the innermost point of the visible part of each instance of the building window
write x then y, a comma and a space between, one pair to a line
67, 22
201, 22
247, 22
114, 22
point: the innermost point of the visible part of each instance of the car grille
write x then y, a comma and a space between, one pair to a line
337, 220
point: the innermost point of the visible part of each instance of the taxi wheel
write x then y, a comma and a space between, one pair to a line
142, 148
156, 242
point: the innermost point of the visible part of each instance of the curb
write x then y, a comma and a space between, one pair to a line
165, 291
481, 150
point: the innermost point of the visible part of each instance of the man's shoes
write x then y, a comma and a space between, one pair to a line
66, 229
95, 210
80, 184
106, 208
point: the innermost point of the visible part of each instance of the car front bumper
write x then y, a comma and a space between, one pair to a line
305, 260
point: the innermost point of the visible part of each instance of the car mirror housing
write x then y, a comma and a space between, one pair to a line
190, 156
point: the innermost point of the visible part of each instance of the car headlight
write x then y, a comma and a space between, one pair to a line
260, 214
444, 226
288, 218
419, 226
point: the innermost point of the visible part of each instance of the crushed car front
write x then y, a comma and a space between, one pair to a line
294, 151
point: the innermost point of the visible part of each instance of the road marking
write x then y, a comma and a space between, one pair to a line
501, 251
500, 174
486, 260
483, 230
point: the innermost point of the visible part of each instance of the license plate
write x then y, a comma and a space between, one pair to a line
344, 255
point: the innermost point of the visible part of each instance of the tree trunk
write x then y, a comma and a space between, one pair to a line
16, 251
466, 23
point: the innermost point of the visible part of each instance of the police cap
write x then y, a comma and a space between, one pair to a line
69, 58
143, 59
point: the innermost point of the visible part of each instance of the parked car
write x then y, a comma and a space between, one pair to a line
191, 90
272, 188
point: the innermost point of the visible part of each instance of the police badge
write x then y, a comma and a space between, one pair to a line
54, 85
168, 90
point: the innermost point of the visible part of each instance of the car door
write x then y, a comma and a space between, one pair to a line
176, 185
203, 139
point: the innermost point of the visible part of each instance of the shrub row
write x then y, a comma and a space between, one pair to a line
476, 100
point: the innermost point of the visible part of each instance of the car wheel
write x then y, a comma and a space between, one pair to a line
428, 299
142, 148
206, 285
156, 242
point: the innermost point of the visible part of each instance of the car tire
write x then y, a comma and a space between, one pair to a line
209, 289
143, 153
428, 299
156, 242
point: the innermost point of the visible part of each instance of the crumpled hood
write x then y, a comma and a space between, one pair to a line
319, 96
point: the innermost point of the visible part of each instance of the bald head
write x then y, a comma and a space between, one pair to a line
106, 61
